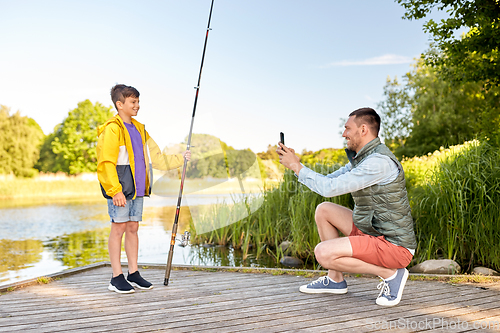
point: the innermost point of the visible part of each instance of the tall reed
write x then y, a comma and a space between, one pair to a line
287, 213
457, 208
455, 199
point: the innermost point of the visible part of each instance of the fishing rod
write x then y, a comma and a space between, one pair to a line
178, 207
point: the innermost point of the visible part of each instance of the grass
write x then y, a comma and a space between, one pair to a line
275, 272
455, 199
43, 280
455, 279
50, 187
46, 187
287, 213
456, 206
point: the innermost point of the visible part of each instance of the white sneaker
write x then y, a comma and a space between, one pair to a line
324, 285
392, 291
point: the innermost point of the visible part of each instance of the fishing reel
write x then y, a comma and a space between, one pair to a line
184, 241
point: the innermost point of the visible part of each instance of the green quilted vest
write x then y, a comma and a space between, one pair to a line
383, 210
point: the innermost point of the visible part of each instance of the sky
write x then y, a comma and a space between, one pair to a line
271, 66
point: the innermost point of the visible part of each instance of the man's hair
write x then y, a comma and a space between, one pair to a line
120, 92
369, 117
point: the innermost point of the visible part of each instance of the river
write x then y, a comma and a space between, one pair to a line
38, 239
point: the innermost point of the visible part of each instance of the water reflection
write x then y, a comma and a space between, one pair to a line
227, 256
80, 248
41, 239
51, 220
18, 254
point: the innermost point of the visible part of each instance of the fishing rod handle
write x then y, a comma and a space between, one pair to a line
170, 254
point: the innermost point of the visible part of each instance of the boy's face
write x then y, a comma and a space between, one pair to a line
130, 107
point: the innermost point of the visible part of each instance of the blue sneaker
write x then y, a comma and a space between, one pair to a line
392, 291
324, 285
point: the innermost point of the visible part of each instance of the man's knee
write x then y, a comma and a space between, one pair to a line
333, 249
321, 211
322, 252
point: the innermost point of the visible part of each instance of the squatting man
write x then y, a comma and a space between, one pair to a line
380, 237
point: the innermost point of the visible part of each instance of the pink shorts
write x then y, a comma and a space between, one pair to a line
377, 250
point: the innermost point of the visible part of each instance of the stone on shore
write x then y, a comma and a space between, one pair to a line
285, 245
442, 266
485, 271
291, 261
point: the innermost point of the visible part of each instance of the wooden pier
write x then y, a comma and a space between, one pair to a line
228, 301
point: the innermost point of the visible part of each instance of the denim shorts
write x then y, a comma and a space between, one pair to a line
131, 212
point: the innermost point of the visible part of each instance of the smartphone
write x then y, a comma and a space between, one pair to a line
282, 138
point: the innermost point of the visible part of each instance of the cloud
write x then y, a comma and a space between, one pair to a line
386, 59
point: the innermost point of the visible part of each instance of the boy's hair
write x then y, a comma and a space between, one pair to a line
369, 117
120, 92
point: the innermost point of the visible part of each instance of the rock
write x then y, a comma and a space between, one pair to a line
291, 261
285, 245
485, 271
443, 266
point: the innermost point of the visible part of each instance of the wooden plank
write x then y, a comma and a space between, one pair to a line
403, 312
35, 290
190, 316
375, 307
132, 307
102, 287
67, 272
314, 320
222, 301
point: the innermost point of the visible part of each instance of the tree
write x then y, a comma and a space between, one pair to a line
20, 138
396, 114
71, 148
329, 156
211, 157
473, 57
270, 154
427, 112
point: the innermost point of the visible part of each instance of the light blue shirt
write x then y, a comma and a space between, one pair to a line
375, 169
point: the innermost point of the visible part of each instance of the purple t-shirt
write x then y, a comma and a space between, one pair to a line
140, 164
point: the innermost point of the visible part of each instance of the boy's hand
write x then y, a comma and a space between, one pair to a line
119, 199
288, 158
187, 155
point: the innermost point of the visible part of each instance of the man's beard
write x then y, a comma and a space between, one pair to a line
352, 145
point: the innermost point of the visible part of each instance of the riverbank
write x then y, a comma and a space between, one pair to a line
86, 186
50, 187
454, 195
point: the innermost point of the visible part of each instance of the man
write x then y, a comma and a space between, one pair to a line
381, 239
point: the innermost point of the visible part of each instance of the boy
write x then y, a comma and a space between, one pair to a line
125, 157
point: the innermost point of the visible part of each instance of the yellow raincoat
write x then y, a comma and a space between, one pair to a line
115, 159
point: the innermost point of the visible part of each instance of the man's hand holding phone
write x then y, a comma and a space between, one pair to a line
288, 157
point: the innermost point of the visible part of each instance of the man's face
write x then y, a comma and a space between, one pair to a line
131, 106
352, 133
